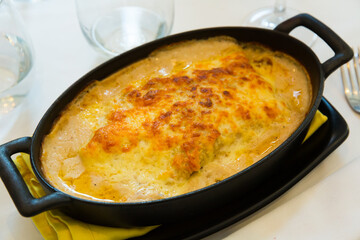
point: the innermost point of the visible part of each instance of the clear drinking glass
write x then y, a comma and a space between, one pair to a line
115, 26
16, 59
270, 17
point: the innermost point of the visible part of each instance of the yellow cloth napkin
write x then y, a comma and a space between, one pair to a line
54, 225
318, 120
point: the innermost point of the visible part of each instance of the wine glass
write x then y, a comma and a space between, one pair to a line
16, 62
270, 17
113, 26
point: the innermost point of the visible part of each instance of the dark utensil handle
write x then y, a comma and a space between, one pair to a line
26, 204
343, 53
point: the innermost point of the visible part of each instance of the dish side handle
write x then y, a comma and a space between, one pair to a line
26, 204
343, 53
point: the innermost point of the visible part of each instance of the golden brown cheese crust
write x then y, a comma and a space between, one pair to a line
192, 122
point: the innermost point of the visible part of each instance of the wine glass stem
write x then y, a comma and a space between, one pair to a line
280, 6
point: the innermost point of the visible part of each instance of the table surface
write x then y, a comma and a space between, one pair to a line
62, 56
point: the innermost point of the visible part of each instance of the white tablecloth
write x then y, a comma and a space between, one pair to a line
62, 56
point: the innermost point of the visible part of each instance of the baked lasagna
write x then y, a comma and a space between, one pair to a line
189, 115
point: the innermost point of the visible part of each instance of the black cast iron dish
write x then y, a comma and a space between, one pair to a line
190, 204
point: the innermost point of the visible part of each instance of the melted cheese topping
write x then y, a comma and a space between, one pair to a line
189, 115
